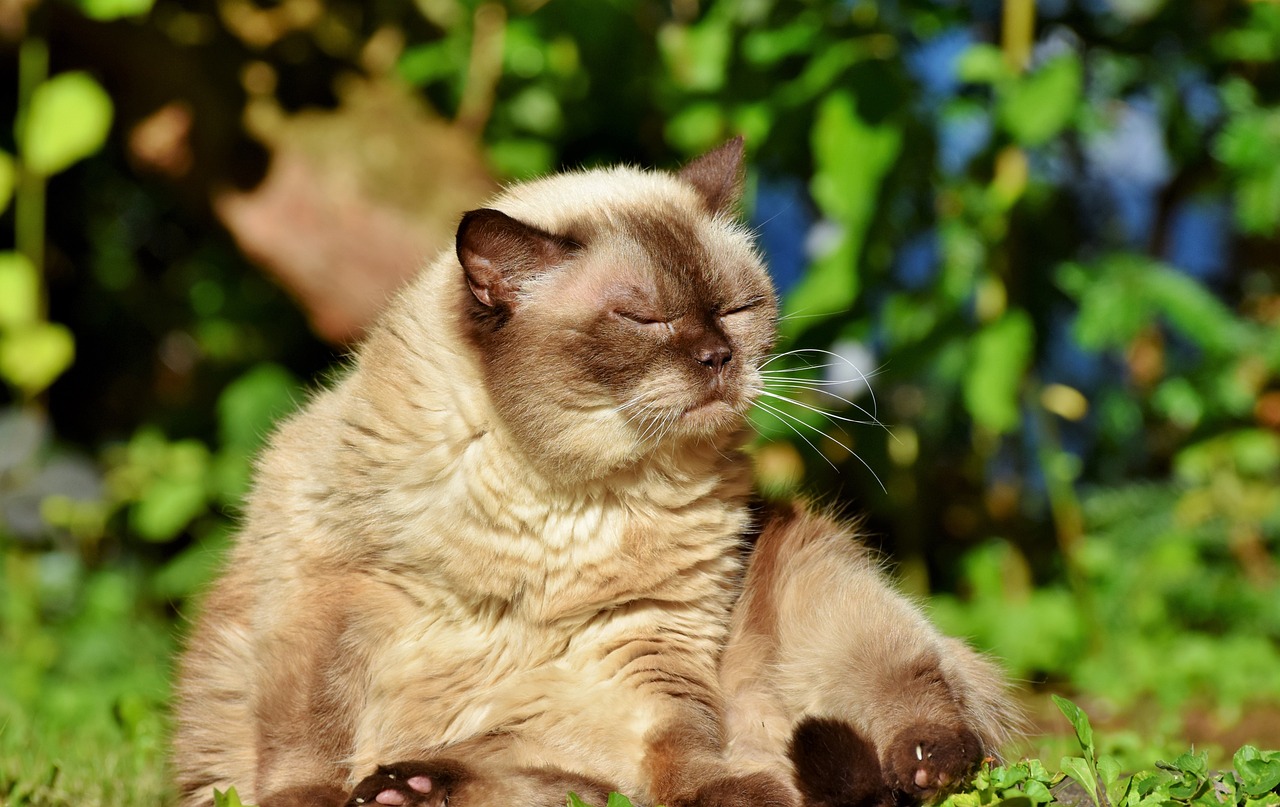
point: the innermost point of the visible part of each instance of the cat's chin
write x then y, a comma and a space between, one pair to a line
712, 416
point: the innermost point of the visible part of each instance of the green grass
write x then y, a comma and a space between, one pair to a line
84, 672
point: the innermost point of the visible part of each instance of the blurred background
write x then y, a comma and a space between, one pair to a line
1029, 252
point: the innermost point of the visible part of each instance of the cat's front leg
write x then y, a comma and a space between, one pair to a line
411, 784
472, 783
687, 768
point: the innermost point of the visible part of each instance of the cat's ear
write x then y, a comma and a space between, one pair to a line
718, 176
498, 252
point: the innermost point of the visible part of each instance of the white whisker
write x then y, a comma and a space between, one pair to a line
825, 413
873, 418
784, 417
862, 376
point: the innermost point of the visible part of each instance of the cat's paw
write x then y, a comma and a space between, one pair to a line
750, 790
406, 784
925, 759
836, 766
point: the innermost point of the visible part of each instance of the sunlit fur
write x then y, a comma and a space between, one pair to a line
512, 535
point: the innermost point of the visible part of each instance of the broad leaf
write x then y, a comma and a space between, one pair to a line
249, 406
114, 9
68, 120
1036, 107
32, 357
1078, 769
1001, 353
852, 159
1079, 721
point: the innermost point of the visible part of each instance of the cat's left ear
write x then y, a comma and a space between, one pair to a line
718, 176
498, 253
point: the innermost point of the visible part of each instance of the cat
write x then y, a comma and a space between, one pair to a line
509, 554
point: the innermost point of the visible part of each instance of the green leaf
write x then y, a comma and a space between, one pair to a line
1123, 293
574, 800
68, 120
1001, 353
618, 800
697, 127
19, 290
166, 507
697, 56
1036, 107
1194, 764
8, 177
983, 64
853, 157
1247, 147
228, 799
193, 568
1078, 769
250, 406
113, 9
521, 157
1038, 792
767, 46
1080, 722
1108, 770
1109, 773
1259, 776
33, 356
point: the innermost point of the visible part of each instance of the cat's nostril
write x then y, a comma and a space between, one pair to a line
715, 357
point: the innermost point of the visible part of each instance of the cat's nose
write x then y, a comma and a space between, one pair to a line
715, 357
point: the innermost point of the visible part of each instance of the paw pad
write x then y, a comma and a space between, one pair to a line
403, 785
924, 760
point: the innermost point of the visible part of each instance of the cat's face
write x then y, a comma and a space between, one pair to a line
639, 325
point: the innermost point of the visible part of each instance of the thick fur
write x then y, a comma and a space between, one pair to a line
825, 659
501, 556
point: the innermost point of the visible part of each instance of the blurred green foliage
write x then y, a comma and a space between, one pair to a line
1058, 279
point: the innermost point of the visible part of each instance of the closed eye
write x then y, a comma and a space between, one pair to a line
648, 320
742, 309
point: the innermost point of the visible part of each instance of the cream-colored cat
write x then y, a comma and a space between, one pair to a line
503, 558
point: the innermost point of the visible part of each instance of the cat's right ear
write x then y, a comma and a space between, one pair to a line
498, 253
718, 176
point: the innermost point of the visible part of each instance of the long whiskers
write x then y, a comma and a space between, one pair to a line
783, 383
792, 421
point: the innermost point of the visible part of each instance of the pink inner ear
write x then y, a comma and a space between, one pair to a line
717, 176
498, 253
481, 292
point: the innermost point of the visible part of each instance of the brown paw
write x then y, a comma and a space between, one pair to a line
406, 784
752, 790
836, 766
925, 759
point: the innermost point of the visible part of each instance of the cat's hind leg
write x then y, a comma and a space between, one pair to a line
827, 641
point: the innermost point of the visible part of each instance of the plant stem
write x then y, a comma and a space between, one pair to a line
29, 196
1018, 32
